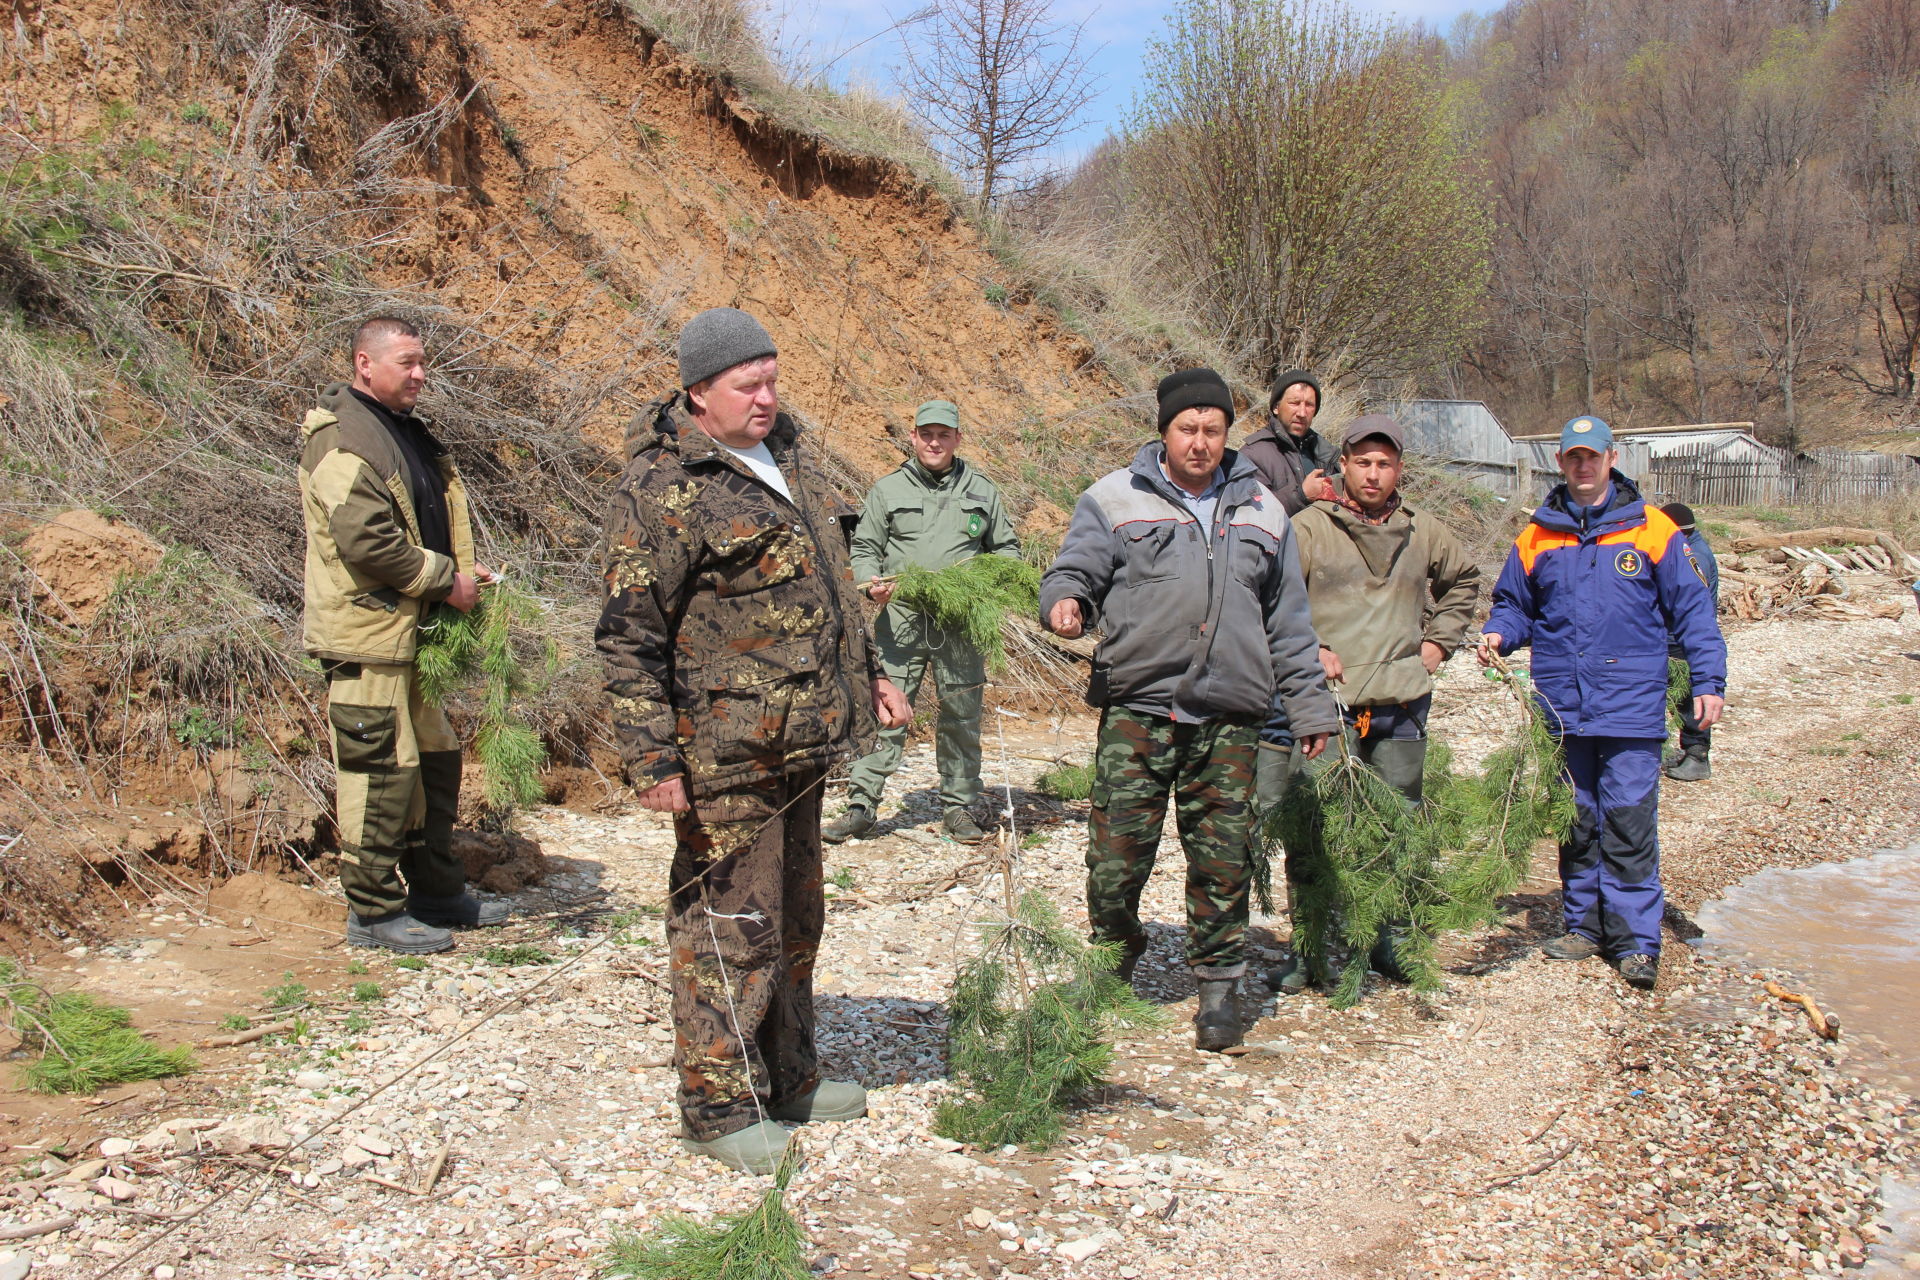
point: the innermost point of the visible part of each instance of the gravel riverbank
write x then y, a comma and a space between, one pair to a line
1533, 1119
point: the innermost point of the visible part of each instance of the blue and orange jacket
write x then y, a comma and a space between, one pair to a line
1599, 605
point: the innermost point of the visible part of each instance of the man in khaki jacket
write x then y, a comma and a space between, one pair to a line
388, 538
1392, 591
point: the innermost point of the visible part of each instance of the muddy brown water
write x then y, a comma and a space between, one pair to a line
1850, 932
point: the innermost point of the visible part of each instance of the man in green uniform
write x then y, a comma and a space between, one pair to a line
933, 511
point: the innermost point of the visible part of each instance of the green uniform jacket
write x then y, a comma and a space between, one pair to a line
1368, 587
735, 647
368, 579
916, 518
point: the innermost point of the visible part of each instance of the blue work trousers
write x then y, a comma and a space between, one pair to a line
1610, 860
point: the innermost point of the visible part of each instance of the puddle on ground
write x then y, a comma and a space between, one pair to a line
1850, 931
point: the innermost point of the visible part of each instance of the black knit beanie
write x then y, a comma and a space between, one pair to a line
1680, 513
1192, 388
1289, 378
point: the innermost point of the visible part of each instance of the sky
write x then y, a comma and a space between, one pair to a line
851, 40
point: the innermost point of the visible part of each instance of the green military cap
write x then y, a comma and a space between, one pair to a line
938, 413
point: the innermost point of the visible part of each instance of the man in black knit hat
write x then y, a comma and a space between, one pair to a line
1292, 458
1187, 562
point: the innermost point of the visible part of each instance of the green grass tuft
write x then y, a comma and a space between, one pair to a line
414, 963
367, 992
1067, 781
83, 1043
288, 995
515, 954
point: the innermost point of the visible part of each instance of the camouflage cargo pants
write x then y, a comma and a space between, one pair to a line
1208, 769
744, 918
399, 788
911, 647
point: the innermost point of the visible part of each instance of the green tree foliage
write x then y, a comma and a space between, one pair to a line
83, 1044
764, 1243
1028, 1025
1377, 859
973, 597
1298, 176
458, 648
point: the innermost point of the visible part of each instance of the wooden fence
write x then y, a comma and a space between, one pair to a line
1824, 477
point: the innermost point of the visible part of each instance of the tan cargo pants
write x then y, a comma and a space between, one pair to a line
399, 766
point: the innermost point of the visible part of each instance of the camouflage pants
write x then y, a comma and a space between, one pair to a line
911, 647
744, 918
398, 791
1209, 770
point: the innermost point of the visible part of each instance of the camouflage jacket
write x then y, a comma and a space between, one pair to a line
735, 645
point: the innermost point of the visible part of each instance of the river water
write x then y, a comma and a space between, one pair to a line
1850, 933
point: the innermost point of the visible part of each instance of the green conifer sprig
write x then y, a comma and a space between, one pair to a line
492, 645
83, 1043
1373, 858
973, 598
763, 1243
1029, 1023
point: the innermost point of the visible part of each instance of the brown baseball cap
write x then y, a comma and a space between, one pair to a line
1373, 425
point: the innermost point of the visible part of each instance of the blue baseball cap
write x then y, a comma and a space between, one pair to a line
1586, 433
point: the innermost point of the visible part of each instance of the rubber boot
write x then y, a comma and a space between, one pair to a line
830, 1100
398, 932
1130, 952
1216, 1024
755, 1149
1691, 767
1385, 957
462, 911
856, 821
1402, 762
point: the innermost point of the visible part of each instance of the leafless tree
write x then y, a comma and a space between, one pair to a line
999, 82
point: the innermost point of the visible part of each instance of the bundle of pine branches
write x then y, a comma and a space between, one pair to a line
83, 1044
1374, 859
1028, 1025
764, 1243
488, 643
973, 597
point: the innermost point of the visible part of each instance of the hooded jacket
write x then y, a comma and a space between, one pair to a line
1201, 624
369, 581
734, 643
1378, 590
1284, 461
1597, 601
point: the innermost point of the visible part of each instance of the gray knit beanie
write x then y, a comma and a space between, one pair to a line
714, 341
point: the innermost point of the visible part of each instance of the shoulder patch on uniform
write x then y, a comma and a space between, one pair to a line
1693, 562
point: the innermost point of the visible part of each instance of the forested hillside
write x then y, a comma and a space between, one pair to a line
1705, 210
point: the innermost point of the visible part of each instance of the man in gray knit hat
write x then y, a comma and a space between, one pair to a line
739, 664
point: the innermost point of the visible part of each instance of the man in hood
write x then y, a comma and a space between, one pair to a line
1598, 585
1187, 562
740, 671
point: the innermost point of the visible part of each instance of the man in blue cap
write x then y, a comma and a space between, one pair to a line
1597, 584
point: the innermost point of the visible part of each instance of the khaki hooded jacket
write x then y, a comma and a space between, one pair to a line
369, 582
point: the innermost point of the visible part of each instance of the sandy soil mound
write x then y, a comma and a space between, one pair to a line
499, 862
78, 556
273, 902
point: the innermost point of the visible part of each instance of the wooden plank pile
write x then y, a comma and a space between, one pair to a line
1807, 572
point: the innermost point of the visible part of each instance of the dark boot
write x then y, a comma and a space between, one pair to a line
1130, 952
461, 911
1385, 957
1571, 946
959, 825
1216, 1024
856, 821
398, 932
1289, 977
1640, 970
1691, 767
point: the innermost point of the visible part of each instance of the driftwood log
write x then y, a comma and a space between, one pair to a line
1834, 536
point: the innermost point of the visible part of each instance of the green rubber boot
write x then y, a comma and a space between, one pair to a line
831, 1100
755, 1149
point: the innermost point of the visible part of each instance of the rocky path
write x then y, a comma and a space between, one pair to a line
499, 1116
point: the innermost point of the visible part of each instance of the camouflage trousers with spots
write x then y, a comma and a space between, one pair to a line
1208, 769
744, 918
